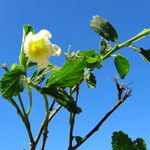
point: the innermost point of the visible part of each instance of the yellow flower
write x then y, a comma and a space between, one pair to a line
38, 48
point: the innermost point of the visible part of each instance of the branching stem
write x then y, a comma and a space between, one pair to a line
98, 125
127, 43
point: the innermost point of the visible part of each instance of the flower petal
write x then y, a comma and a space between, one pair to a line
56, 50
45, 34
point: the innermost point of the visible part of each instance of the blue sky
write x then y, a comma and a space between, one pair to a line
68, 21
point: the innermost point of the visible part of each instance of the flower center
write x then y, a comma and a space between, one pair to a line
38, 49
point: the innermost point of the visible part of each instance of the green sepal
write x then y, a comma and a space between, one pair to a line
22, 57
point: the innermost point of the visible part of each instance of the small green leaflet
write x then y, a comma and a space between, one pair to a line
70, 73
62, 97
12, 82
102, 27
122, 65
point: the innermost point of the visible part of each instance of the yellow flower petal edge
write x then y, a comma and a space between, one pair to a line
38, 48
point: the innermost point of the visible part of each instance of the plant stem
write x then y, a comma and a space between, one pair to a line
51, 115
19, 112
26, 122
45, 132
72, 123
45, 129
22, 105
127, 43
98, 125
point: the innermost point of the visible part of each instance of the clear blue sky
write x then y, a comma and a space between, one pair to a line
68, 21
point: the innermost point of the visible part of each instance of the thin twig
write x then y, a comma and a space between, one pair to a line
45, 134
45, 130
52, 114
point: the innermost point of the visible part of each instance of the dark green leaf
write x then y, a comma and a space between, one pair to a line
145, 54
90, 78
78, 139
68, 75
62, 97
139, 144
104, 47
121, 141
104, 28
13, 82
122, 65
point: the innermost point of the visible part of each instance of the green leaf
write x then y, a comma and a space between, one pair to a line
122, 65
62, 97
72, 71
121, 141
39, 75
12, 82
139, 144
104, 47
102, 27
22, 57
92, 58
68, 75
145, 54
90, 78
